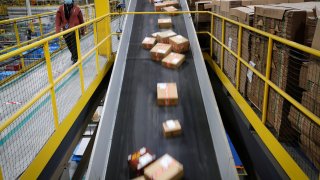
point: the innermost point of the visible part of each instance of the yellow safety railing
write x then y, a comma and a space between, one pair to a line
274, 146
18, 43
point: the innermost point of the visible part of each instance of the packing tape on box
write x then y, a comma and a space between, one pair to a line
166, 161
175, 61
161, 51
167, 101
144, 160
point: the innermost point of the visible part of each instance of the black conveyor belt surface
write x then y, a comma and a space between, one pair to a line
139, 119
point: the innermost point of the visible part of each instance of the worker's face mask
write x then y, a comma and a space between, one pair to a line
68, 1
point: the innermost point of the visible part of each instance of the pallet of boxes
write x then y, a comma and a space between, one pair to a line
310, 81
166, 47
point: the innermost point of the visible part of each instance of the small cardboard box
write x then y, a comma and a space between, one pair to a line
165, 23
159, 6
167, 94
163, 37
172, 3
170, 9
160, 51
140, 159
148, 42
171, 128
173, 60
165, 167
179, 44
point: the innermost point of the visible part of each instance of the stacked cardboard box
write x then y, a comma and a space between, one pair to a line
285, 22
163, 37
202, 6
173, 60
179, 44
245, 16
160, 51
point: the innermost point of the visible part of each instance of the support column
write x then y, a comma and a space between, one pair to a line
102, 7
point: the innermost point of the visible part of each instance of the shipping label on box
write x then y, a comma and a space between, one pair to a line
163, 37
140, 159
160, 51
171, 128
167, 94
173, 60
159, 6
179, 44
170, 9
165, 23
165, 167
148, 42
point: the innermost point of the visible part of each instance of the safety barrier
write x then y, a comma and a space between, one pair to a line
286, 159
41, 105
22, 31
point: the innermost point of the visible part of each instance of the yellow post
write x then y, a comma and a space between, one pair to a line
266, 85
51, 81
80, 61
1, 175
222, 41
15, 26
103, 8
96, 43
211, 50
238, 60
40, 25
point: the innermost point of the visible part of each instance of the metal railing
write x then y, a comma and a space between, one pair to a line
83, 77
286, 161
26, 30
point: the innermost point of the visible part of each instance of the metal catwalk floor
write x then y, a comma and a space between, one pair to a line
24, 138
139, 119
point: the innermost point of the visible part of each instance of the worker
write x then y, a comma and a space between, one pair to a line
69, 15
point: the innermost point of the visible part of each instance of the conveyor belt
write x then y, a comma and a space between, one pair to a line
139, 119
131, 118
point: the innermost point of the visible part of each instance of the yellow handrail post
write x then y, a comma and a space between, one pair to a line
18, 42
51, 81
80, 61
1, 175
40, 25
95, 43
211, 41
266, 85
238, 59
103, 28
222, 40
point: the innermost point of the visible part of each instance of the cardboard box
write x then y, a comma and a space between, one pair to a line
171, 128
163, 37
170, 9
314, 72
312, 150
173, 60
155, 34
140, 178
160, 51
179, 44
172, 3
202, 6
159, 6
148, 42
140, 159
167, 94
227, 5
165, 23
165, 167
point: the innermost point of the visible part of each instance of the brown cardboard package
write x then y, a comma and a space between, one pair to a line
170, 9
160, 51
179, 44
165, 23
312, 150
159, 6
172, 3
200, 17
163, 37
173, 60
148, 42
167, 94
164, 168
140, 178
171, 128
